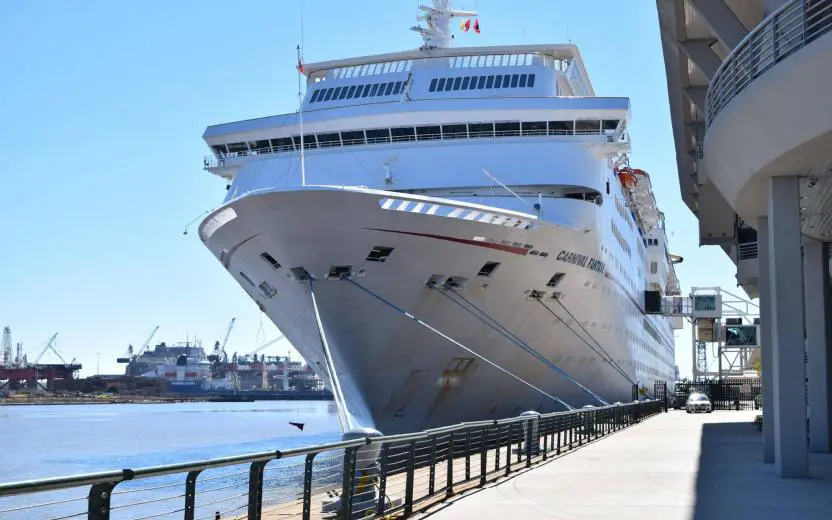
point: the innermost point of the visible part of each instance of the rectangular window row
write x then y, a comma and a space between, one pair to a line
492, 60
371, 69
482, 82
356, 91
417, 133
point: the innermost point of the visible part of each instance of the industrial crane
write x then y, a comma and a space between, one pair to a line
130, 356
219, 355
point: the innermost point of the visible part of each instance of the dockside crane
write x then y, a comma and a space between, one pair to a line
130, 355
219, 355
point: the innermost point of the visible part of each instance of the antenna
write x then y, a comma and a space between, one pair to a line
300, 117
437, 34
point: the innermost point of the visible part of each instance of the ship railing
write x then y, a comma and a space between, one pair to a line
368, 477
787, 30
212, 161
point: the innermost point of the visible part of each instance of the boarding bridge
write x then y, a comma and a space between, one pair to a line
723, 323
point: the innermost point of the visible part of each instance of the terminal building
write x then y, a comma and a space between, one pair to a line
748, 85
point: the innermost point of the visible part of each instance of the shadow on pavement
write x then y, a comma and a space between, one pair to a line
734, 482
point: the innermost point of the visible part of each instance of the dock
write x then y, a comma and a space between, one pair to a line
675, 466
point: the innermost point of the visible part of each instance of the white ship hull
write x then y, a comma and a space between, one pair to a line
397, 376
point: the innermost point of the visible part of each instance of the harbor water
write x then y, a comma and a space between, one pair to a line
57, 440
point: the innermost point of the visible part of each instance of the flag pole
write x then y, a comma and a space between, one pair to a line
300, 117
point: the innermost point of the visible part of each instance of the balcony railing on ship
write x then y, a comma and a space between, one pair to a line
372, 477
790, 28
608, 130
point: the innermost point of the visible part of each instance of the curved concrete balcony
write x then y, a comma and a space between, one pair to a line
769, 113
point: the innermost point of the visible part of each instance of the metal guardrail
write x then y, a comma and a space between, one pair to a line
369, 477
784, 32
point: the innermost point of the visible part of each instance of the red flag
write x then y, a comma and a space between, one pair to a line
465, 25
477, 26
300, 66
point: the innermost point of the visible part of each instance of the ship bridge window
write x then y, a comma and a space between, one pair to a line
454, 131
237, 148
419, 133
329, 140
428, 133
283, 144
405, 133
507, 128
381, 135
609, 125
352, 138
586, 126
308, 141
480, 130
534, 128
561, 127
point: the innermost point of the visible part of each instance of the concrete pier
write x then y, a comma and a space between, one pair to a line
675, 466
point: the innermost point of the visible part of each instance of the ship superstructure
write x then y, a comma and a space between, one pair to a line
483, 190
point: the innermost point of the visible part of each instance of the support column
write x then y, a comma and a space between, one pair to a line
791, 447
818, 345
766, 344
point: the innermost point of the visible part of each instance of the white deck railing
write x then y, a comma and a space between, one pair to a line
784, 32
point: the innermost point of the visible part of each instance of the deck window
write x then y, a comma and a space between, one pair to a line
587, 126
315, 95
534, 128
454, 131
609, 125
457, 83
441, 85
433, 83
530, 83
389, 89
428, 133
353, 138
406, 133
561, 127
381, 135
489, 82
481, 82
480, 130
507, 129
329, 140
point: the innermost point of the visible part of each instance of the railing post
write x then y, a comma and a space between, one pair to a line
382, 479
483, 454
255, 490
98, 501
350, 456
190, 494
467, 454
432, 469
449, 476
408, 489
307, 486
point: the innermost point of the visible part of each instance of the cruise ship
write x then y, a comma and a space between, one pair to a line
450, 234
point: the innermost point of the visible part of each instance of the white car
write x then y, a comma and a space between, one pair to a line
698, 403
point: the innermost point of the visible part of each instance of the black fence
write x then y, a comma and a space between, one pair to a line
732, 394
367, 477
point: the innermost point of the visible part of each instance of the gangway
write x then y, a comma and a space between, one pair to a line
721, 320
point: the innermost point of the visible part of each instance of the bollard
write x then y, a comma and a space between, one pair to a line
365, 476
531, 435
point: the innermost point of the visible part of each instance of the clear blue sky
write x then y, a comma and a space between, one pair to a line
102, 105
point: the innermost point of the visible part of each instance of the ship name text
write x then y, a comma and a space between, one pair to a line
570, 257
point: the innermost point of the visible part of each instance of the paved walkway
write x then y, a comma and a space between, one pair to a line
673, 466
